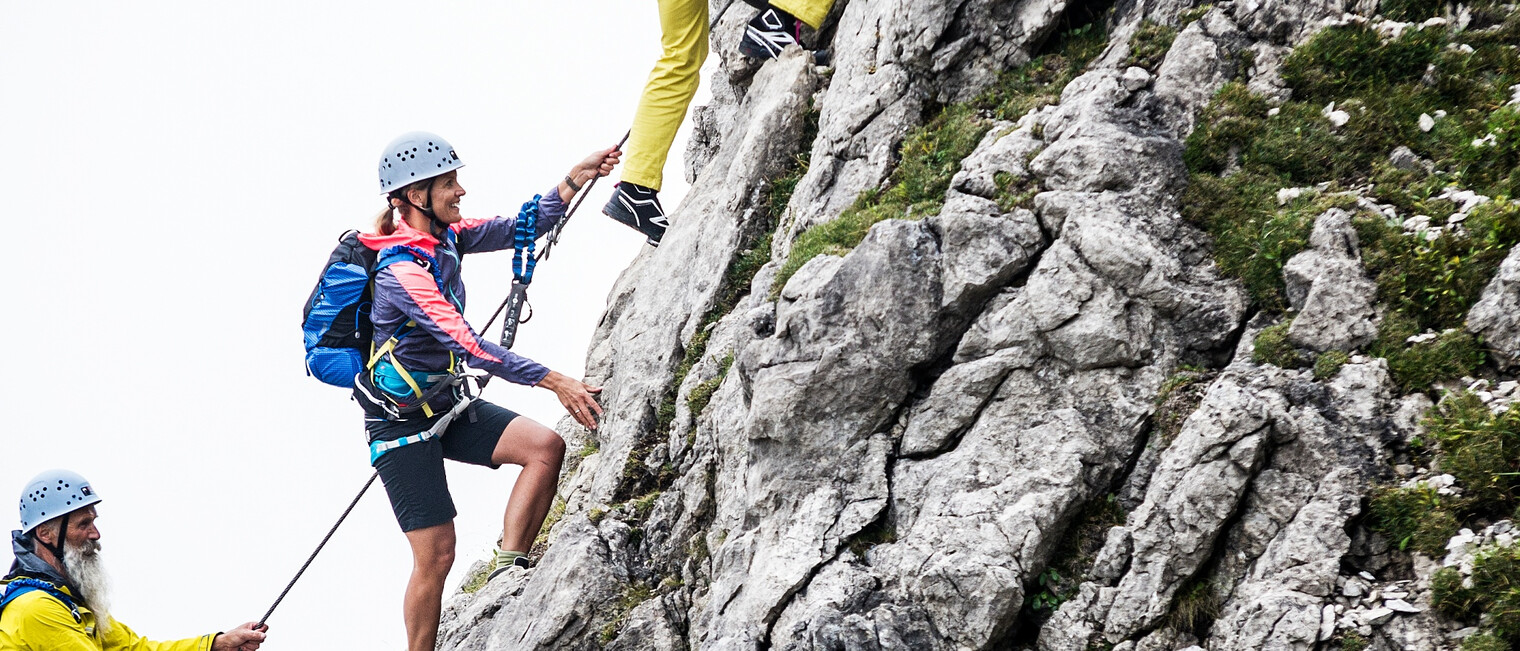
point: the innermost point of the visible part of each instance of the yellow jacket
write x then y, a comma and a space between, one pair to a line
37, 621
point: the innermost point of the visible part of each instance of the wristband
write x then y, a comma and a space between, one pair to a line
571, 182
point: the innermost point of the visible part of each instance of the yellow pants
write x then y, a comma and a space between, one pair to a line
683, 35
668, 93
811, 12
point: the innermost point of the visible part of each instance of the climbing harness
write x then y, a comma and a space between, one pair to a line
377, 448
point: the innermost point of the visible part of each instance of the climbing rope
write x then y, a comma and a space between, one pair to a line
522, 273
553, 235
320, 545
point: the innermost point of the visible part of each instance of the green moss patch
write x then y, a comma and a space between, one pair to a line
1352, 641
636, 594
701, 395
931, 155
1272, 347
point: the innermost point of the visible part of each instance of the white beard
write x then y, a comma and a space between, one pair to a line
88, 574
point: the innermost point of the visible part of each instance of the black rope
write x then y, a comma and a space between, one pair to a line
553, 236
314, 552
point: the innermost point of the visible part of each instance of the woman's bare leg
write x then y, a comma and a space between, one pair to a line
432, 556
540, 451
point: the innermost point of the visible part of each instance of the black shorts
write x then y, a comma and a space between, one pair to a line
413, 474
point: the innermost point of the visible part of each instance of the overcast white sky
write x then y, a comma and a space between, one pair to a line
176, 174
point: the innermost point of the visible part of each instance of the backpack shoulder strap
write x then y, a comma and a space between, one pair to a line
22, 586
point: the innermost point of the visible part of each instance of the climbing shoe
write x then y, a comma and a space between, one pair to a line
639, 208
501, 566
768, 33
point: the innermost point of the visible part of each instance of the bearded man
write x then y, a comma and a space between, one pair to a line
55, 596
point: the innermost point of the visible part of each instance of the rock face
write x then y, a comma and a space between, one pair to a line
1327, 286
1496, 317
892, 449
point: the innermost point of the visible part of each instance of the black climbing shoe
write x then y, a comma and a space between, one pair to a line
639, 208
768, 33
520, 561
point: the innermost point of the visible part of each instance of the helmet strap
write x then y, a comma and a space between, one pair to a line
56, 548
436, 227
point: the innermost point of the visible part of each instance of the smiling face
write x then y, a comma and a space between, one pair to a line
443, 197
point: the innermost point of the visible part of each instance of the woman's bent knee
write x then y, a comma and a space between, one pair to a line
525, 442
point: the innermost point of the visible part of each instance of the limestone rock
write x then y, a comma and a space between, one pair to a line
897, 441
1496, 316
1327, 285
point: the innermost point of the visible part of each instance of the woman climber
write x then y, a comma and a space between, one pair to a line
420, 338
662, 108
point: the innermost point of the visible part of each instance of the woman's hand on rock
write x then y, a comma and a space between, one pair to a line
577, 397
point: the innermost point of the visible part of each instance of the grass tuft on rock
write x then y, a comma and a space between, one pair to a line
1178, 398
1417, 365
1195, 607
1194, 14
1415, 519
1149, 45
1245, 149
1485, 642
931, 154
1481, 450
1351, 641
1272, 347
1492, 600
1329, 364
701, 395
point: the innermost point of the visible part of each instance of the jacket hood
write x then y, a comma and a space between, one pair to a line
404, 235
29, 564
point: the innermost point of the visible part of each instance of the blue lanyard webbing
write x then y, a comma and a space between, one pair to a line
524, 240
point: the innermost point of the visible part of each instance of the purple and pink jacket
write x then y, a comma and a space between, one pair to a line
405, 291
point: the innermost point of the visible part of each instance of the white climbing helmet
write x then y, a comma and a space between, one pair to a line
51, 494
413, 157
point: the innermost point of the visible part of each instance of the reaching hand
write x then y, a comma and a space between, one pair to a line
247, 637
576, 396
599, 163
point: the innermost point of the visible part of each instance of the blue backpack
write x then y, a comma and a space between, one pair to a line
336, 321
